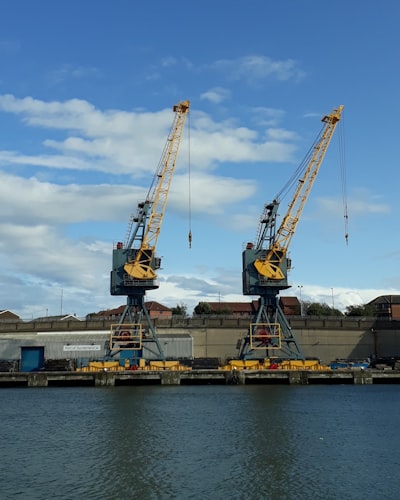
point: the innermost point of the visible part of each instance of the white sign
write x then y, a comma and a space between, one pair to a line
90, 347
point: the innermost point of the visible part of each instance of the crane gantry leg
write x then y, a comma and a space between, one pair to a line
270, 335
129, 338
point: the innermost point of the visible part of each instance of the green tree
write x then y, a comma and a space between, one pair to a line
360, 310
180, 310
203, 308
320, 309
226, 311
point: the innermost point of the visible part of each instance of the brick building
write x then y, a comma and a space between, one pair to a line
289, 305
7, 315
387, 306
154, 309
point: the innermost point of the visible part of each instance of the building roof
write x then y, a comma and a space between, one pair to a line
250, 307
5, 311
386, 299
290, 301
117, 311
235, 307
65, 317
112, 312
156, 306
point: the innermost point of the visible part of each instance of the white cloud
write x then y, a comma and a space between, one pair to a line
359, 203
80, 115
216, 95
169, 61
69, 71
56, 229
279, 134
256, 69
130, 142
210, 194
267, 117
342, 296
45, 203
364, 202
69, 162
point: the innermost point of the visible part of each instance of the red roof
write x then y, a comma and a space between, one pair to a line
150, 306
156, 306
234, 307
290, 301
112, 312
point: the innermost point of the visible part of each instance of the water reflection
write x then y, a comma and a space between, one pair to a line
196, 442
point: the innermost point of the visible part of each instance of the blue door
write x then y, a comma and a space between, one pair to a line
32, 359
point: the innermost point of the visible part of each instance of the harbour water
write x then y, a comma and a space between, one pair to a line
201, 442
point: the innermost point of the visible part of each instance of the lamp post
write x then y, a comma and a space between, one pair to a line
301, 300
333, 300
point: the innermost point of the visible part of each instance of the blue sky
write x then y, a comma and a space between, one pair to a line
86, 96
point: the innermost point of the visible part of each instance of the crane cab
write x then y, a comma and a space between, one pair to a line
123, 284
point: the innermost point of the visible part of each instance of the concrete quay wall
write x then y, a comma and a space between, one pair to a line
189, 377
325, 344
326, 339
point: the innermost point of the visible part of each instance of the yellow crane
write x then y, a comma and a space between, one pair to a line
266, 262
270, 265
135, 263
141, 267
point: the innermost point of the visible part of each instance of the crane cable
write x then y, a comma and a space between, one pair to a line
301, 168
189, 188
343, 180
298, 173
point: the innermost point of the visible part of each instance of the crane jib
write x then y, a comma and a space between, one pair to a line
135, 261
142, 268
270, 265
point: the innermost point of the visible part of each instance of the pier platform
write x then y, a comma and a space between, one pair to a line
198, 377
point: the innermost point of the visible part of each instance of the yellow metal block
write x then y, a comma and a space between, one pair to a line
98, 366
300, 364
244, 364
156, 365
165, 365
